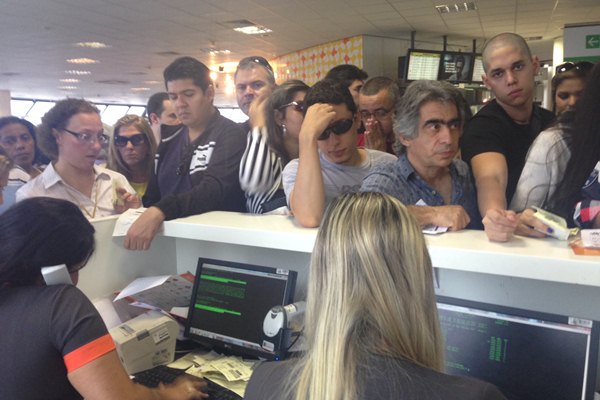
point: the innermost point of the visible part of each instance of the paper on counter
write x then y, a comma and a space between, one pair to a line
126, 219
163, 292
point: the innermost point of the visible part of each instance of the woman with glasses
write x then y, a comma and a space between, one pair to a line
568, 84
131, 151
72, 134
371, 323
271, 145
549, 154
54, 343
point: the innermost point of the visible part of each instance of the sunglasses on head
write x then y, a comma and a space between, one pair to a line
583, 66
339, 127
136, 140
299, 106
256, 60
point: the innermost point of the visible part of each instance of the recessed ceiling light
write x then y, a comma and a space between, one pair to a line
70, 80
253, 29
82, 61
77, 72
92, 45
454, 8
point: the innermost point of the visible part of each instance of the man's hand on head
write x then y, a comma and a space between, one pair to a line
317, 119
257, 112
142, 231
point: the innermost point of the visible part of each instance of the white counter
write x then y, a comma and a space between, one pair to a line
540, 274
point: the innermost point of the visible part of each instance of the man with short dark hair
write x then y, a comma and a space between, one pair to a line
254, 78
160, 111
376, 103
197, 168
427, 177
330, 162
350, 76
498, 137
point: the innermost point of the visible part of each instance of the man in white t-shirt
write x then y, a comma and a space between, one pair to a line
330, 163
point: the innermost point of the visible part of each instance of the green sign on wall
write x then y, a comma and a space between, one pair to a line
592, 42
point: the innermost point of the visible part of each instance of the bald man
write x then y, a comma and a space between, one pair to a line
497, 138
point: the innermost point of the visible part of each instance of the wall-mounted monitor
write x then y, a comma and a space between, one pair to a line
477, 69
423, 64
456, 67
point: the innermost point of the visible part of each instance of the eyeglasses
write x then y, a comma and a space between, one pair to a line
89, 138
256, 60
583, 66
299, 106
377, 114
136, 140
339, 127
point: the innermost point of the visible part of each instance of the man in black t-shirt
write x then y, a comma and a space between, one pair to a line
496, 140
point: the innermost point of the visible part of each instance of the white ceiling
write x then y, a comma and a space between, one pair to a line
37, 36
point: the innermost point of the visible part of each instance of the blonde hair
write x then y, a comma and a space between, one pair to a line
115, 161
370, 291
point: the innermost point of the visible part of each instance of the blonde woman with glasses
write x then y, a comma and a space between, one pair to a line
371, 323
72, 135
131, 151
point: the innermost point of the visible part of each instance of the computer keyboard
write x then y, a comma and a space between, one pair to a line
154, 376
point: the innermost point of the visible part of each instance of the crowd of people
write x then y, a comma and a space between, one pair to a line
303, 146
368, 164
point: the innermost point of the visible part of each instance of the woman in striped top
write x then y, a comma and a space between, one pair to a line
272, 143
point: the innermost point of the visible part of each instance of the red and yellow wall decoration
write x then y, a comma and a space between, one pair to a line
311, 65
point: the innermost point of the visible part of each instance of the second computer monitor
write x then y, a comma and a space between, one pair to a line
528, 355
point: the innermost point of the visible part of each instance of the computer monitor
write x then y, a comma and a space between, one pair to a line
423, 64
526, 354
477, 69
456, 67
229, 303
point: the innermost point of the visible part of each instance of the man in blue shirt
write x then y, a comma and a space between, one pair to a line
436, 186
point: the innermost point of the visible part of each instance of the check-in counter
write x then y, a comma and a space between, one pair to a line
538, 274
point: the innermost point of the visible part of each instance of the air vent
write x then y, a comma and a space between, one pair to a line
169, 53
533, 38
113, 82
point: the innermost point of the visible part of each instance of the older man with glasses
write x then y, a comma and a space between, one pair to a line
376, 103
254, 78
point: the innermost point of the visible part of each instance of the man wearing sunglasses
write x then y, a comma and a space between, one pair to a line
427, 177
254, 78
497, 138
330, 163
376, 103
197, 167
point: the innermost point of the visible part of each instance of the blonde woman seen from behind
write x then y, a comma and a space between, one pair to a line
131, 151
371, 323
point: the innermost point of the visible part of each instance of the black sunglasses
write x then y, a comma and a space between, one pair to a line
256, 60
136, 140
339, 127
583, 66
299, 106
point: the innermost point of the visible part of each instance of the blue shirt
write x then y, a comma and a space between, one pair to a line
399, 179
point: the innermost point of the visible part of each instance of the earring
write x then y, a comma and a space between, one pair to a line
284, 129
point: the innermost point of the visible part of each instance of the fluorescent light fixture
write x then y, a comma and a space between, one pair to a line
77, 72
253, 30
140, 89
70, 80
67, 87
92, 45
455, 8
151, 82
82, 61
